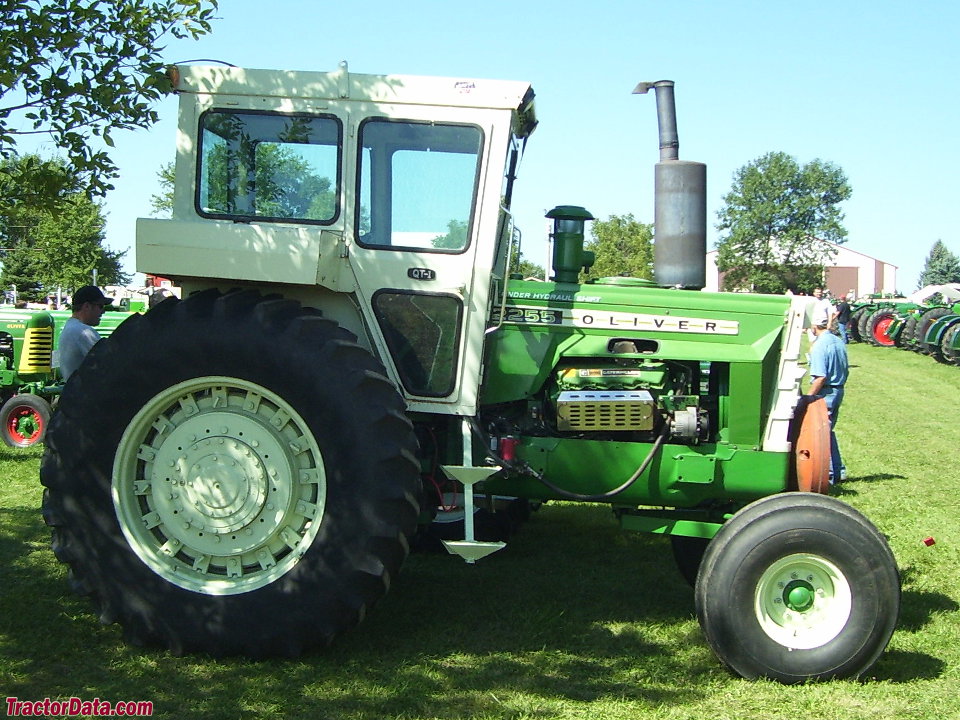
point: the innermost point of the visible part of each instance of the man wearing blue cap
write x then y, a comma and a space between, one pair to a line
78, 335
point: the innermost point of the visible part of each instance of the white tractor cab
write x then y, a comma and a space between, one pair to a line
340, 185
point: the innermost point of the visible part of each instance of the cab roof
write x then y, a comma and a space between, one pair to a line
341, 84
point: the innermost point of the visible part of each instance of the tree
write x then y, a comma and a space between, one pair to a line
622, 246
77, 70
779, 217
455, 238
162, 202
941, 267
51, 242
525, 268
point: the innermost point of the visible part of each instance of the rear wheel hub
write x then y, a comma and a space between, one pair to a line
219, 484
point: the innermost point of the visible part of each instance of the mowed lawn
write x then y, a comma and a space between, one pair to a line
574, 619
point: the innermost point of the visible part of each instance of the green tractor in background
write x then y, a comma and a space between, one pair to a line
29, 381
352, 357
927, 328
876, 319
921, 322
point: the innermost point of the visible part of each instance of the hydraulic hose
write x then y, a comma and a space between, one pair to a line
609, 495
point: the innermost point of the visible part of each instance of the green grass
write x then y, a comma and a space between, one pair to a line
574, 619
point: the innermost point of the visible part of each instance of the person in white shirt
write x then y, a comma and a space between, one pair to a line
78, 335
823, 310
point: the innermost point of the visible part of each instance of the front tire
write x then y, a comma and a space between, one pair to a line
798, 587
24, 419
231, 474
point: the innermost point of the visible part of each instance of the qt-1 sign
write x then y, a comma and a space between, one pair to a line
421, 274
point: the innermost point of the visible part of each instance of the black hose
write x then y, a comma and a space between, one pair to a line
609, 495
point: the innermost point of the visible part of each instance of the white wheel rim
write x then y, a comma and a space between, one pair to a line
803, 601
219, 485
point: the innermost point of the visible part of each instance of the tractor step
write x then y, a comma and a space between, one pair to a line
470, 549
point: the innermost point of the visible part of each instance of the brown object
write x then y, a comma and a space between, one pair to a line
810, 435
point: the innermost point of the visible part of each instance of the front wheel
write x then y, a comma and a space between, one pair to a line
798, 587
250, 489
24, 420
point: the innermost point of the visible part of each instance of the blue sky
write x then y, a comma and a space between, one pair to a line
869, 86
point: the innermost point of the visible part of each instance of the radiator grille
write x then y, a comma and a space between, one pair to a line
593, 410
37, 352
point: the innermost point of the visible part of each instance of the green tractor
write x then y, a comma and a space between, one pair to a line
29, 381
934, 331
27, 378
931, 309
242, 471
881, 321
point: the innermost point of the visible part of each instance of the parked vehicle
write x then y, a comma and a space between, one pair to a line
29, 381
241, 471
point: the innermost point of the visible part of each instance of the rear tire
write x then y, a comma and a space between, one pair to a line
906, 339
231, 493
950, 353
24, 420
923, 324
877, 325
798, 587
863, 328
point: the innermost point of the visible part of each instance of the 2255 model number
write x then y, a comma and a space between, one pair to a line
538, 316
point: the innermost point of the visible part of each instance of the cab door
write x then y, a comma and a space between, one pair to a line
424, 231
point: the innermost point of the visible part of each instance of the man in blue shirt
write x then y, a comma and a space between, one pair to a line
828, 374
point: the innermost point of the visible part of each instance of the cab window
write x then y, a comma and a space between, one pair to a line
423, 333
269, 166
417, 185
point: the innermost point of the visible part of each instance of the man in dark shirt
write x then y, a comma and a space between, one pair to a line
843, 317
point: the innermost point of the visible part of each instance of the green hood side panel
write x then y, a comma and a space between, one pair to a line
582, 319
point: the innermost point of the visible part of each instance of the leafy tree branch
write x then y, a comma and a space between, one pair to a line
78, 70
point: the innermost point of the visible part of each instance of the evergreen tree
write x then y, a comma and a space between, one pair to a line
941, 267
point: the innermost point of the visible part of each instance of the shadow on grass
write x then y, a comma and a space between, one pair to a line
917, 608
875, 478
8, 455
573, 610
848, 487
900, 666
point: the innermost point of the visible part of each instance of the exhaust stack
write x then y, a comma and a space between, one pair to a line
680, 203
